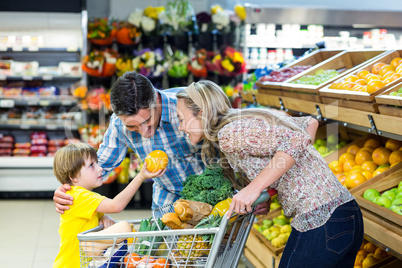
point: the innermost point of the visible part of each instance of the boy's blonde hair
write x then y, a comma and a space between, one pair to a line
69, 160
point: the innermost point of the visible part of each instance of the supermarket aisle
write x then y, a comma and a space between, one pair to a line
29, 232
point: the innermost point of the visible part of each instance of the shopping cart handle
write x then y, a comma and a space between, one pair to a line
264, 196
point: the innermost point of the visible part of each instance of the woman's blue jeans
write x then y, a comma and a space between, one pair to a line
335, 244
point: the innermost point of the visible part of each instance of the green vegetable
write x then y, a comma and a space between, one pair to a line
210, 187
143, 243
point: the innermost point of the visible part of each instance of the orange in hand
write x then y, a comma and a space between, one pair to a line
156, 160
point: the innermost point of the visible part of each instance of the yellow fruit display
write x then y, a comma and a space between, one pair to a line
393, 145
395, 157
354, 179
372, 143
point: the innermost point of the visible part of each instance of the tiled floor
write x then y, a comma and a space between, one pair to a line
29, 232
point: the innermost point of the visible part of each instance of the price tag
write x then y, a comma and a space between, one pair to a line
3, 77
32, 102
3, 48
7, 103
72, 49
66, 103
51, 127
25, 126
44, 102
17, 48
27, 77
47, 77
32, 48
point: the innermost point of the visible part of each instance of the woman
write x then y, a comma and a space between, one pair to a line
275, 151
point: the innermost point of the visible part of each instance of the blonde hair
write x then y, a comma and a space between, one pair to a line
69, 160
216, 113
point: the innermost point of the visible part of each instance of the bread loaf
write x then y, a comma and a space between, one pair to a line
183, 210
199, 210
173, 221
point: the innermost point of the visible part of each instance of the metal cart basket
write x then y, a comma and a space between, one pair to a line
209, 247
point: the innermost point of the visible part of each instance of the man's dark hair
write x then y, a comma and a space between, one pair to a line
130, 93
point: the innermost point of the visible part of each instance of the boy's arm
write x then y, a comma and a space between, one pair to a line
106, 221
120, 201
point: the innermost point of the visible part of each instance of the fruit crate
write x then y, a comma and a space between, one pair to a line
382, 183
344, 63
247, 96
386, 102
355, 99
262, 238
312, 59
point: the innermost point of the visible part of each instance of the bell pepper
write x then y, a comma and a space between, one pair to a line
222, 207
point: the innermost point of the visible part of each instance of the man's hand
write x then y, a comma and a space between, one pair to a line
61, 199
263, 208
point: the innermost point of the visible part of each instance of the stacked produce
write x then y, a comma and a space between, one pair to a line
284, 74
368, 255
276, 230
391, 199
380, 75
360, 164
397, 93
330, 145
319, 77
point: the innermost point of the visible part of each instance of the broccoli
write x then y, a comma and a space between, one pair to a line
210, 187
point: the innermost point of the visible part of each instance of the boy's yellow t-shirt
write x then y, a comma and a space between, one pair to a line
80, 217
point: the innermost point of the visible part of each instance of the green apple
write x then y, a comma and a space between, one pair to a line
343, 143
316, 146
400, 187
400, 90
398, 195
383, 201
320, 142
390, 194
274, 206
370, 194
393, 93
322, 150
396, 209
332, 139
399, 95
266, 224
395, 190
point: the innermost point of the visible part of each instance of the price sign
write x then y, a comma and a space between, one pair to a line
32, 102
7, 103
47, 77
51, 127
66, 103
27, 77
25, 126
3, 77
44, 102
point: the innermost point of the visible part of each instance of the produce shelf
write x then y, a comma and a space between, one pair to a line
41, 77
37, 127
37, 101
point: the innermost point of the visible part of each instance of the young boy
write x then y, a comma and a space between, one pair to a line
76, 164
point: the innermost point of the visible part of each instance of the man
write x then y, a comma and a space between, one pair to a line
145, 119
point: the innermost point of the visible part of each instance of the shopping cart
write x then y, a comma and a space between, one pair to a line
208, 247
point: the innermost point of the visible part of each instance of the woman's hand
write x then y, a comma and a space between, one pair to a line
61, 199
106, 221
242, 201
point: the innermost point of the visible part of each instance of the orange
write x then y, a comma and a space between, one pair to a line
359, 260
358, 87
380, 254
399, 69
156, 160
379, 171
395, 77
385, 69
335, 86
388, 74
342, 178
377, 67
369, 166
395, 157
374, 143
353, 149
354, 179
369, 261
352, 78
381, 156
369, 247
362, 156
336, 167
361, 82
349, 85
372, 77
374, 85
395, 62
348, 165
346, 156
131, 260
393, 145
367, 148
362, 74
367, 174
387, 80
356, 169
